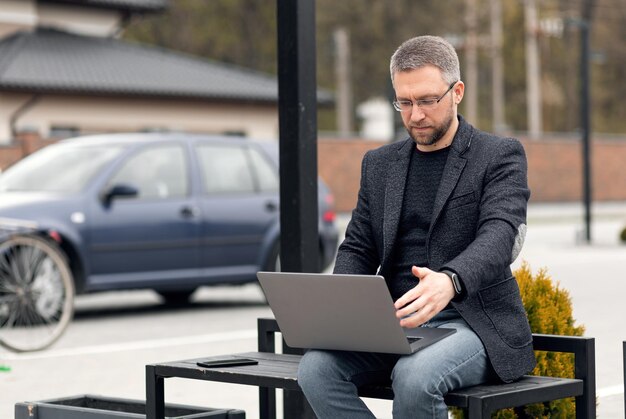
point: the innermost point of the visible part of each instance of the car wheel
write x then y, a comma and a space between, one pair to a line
177, 297
36, 293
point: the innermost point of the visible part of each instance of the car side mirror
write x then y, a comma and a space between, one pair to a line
119, 191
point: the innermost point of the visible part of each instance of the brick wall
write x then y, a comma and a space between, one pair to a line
9, 155
554, 169
339, 165
24, 144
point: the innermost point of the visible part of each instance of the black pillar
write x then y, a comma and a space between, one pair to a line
297, 112
297, 109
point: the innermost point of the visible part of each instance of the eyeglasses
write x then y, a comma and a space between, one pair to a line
430, 103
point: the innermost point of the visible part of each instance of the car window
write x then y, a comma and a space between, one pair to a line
266, 175
225, 169
60, 168
157, 172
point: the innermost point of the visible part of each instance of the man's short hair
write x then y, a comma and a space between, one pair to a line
426, 50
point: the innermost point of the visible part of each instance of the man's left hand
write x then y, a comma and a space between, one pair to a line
426, 299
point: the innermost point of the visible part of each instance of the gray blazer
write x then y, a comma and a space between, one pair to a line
477, 228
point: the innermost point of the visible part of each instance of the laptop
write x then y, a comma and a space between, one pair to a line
341, 312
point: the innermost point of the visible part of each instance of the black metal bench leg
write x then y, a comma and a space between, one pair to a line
585, 369
296, 405
267, 403
477, 410
155, 394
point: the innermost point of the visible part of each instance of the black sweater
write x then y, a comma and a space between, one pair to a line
422, 182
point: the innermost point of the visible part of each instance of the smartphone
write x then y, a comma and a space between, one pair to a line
226, 362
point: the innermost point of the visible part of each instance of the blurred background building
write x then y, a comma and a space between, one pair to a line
64, 71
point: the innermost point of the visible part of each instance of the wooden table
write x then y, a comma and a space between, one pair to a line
272, 371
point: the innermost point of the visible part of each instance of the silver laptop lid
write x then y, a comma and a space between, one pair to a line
341, 312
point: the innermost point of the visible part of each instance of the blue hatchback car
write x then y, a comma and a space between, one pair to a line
169, 212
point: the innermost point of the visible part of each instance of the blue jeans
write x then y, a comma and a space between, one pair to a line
329, 379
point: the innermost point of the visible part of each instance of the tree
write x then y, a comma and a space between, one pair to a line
243, 32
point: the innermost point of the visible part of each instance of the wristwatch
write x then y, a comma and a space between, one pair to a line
456, 283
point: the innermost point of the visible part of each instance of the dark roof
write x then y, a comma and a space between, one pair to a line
127, 5
50, 61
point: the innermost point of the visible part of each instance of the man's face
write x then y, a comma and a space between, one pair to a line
428, 125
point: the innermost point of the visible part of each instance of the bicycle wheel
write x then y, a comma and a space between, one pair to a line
36, 293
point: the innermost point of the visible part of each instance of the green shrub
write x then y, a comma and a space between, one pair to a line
549, 311
622, 235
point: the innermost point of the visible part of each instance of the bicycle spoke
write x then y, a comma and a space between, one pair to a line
7, 298
13, 314
36, 293
29, 260
5, 267
7, 284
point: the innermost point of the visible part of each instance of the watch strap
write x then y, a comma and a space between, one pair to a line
456, 284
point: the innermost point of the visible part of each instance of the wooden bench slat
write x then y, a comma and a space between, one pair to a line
528, 390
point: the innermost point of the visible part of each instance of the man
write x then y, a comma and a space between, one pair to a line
441, 216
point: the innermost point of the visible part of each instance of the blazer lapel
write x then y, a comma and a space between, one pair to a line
394, 195
451, 174
453, 169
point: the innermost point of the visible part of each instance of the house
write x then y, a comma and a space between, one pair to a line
64, 72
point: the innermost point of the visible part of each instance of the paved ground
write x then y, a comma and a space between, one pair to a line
115, 334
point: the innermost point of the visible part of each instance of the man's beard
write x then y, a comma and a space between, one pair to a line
438, 133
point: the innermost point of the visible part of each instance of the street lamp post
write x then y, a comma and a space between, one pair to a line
584, 24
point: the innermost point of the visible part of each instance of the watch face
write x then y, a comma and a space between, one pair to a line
456, 283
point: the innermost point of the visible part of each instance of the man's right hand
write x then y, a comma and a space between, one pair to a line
426, 299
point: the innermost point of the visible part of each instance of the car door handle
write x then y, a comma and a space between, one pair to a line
271, 206
188, 212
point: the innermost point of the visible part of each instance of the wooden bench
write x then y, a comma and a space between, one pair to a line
279, 370
479, 401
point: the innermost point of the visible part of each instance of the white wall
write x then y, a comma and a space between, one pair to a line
9, 104
16, 15
77, 19
123, 114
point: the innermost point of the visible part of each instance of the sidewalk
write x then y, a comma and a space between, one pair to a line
573, 211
